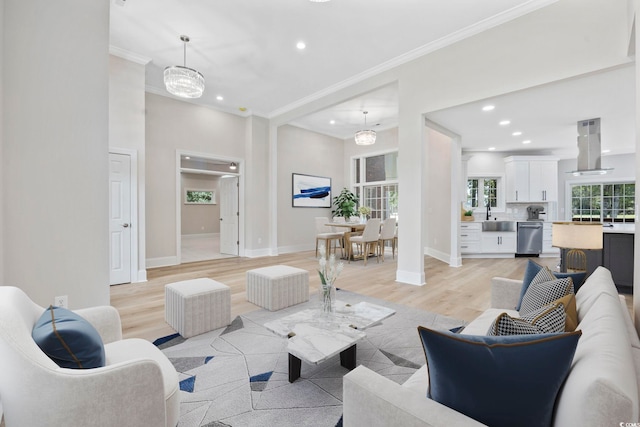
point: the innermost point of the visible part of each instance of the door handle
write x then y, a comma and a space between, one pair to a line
220, 219
125, 225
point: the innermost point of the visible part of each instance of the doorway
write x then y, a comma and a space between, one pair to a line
123, 213
208, 208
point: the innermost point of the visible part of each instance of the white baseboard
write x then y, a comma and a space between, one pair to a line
162, 262
410, 278
455, 261
433, 253
142, 276
257, 253
200, 236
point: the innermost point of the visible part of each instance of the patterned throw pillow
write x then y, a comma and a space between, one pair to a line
533, 269
548, 319
543, 293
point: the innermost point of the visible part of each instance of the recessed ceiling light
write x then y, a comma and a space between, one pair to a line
187, 157
504, 122
332, 122
517, 133
301, 45
488, 107
492, 148
219, 97
526, 141
606, 151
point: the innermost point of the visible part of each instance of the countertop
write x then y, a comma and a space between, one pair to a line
620, 228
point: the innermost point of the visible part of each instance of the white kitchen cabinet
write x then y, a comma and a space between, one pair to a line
517, 181
547, 249
470, 237
498, 242
531, 179
543, 181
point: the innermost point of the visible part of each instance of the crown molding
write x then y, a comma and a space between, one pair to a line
450, 39
129, 56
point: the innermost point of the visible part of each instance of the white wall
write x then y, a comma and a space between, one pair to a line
55, 82
127, 131
200, 219
485, 164
624, 169
175, 125
438, 196
258, 191
310, 153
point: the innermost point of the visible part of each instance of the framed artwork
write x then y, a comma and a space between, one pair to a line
199, 197
309, 191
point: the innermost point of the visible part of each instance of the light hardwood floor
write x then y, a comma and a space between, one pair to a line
462, 292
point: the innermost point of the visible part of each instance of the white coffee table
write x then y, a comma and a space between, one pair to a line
315, 337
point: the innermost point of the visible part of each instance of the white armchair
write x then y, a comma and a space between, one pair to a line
137, 387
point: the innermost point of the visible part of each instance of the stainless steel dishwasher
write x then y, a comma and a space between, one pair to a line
529, 238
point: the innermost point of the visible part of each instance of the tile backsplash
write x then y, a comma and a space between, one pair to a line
518, 212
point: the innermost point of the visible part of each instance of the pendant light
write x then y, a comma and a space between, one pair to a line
365, 137
183, 81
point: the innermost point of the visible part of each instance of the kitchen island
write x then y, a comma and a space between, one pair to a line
616, 255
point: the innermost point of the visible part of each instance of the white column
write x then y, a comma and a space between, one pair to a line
411, 162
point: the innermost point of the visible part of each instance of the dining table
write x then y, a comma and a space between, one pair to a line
355, 229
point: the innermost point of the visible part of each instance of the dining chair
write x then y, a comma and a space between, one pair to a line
324, 232
368, 240
388, 234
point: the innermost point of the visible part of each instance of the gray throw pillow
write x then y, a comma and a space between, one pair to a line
540, 294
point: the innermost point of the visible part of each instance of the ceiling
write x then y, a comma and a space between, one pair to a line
246, 50
547, 116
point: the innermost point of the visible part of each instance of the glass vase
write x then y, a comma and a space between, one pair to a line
363, 219
327, 298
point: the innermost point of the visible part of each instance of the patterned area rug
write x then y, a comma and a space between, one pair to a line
238, 376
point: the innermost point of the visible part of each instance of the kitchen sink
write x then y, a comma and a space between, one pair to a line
499, 226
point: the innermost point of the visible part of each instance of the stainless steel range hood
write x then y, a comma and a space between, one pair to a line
589, 151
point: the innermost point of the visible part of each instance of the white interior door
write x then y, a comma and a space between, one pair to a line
229, 215
120, 218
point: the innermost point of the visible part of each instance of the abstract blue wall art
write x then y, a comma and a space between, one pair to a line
311, 191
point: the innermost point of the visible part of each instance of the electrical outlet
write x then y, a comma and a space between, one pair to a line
61, 301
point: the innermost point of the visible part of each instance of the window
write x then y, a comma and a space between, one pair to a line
603, 202
375, 182
481, 191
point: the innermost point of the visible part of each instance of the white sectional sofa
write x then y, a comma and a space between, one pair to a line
600, 390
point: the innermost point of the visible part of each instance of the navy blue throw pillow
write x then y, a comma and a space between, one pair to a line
533, 269
499, 381
68, 339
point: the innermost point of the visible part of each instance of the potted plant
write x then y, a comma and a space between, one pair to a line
345, 203
467, 214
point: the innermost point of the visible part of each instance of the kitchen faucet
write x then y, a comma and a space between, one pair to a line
488, 211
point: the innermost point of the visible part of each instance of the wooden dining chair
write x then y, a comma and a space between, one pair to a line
368, 240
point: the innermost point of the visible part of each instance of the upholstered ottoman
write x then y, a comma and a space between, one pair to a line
277, 286
193, 307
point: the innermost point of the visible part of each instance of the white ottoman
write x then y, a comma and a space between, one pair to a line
193, 307
277, 287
